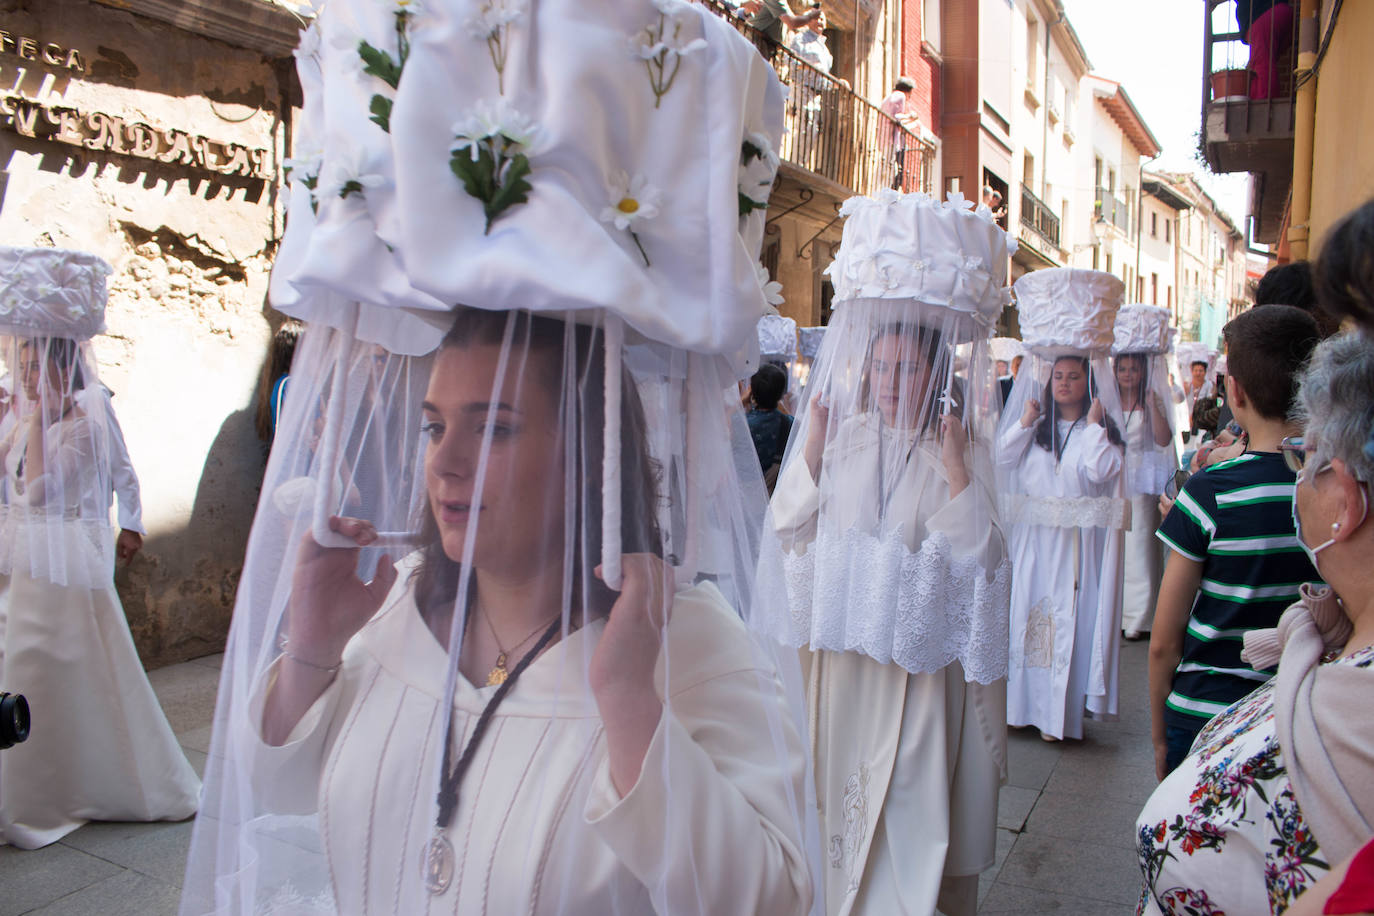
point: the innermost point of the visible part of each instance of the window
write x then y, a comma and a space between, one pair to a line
1167, 224
1032, 51
1028, 170
1169, 297
1154, 289
1154, 225
1109, 262
1139, 289
1096, 253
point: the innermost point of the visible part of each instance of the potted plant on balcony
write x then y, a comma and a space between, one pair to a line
1230, 85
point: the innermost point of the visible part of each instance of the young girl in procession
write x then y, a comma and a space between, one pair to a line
99, 747
884, 530
1059, 450
535, 691
1138, 363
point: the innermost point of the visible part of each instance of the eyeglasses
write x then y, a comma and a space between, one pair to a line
1294, 451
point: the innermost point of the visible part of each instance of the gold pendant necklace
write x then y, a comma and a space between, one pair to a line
499, 673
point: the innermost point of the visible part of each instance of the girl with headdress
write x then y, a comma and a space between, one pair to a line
1059, 451
1138, 364
100, 747
883, 528
500, 664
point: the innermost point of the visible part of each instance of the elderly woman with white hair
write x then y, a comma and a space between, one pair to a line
1280, 786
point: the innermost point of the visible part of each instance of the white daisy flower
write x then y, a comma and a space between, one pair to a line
772, 289
347, 175
673, 8
492, 16
955, 200
491, 118
756, 179
632, 201
764, 147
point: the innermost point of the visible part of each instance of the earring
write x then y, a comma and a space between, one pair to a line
1335, 526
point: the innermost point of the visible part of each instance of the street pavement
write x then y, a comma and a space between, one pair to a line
1064, 840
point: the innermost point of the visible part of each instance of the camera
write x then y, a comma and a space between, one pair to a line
14, 719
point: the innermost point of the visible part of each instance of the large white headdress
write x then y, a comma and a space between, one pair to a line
1066, 311
1142, 328
54, 292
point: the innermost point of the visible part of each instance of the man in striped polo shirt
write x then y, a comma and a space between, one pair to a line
1234, 561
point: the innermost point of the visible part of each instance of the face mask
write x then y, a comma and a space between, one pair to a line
1297, 525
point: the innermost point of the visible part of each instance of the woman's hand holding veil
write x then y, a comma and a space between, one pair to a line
622, 667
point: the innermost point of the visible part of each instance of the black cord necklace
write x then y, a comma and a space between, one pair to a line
438, 859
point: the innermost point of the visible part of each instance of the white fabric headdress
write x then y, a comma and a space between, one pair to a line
1065, 310
1142, 328
53, 292
811, 341
777, 338
1006, 349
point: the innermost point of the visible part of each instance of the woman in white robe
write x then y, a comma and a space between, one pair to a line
635, 758
1064, 466
884, 530
1148, 437
100, 747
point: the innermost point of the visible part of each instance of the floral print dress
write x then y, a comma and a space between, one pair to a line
1223, 833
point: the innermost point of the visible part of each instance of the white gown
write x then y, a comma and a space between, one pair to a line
100, 747
1066, 586
908, 766
1144, 556
539, 827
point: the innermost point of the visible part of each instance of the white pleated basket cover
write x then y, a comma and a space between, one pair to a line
54, 292
1142, 328
1066, 310
777, 337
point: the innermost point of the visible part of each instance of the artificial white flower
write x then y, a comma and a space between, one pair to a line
888, 196
305, 166
492, 16
490, 118
347, 175
955, 200
756, 180
673, 7
772, 289
919, 264
632, 201
410, 8
973, 262
764, 146
310, 42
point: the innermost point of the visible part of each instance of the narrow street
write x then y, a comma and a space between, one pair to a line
1064, 843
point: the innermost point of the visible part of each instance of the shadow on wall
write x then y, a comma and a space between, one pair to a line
178, 593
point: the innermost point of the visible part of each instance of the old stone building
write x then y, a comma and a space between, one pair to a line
151, 132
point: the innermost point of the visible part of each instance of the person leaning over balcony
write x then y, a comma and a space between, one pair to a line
774, 14
1268, 29
1276, 790
895, 107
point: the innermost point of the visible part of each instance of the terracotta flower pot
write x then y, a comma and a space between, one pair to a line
1228, 85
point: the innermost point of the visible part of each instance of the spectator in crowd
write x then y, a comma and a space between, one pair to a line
768, 425
1345, 269
1291, 284
273, 380
772, 15
808, 43
1235, 562
895, 107
1276, 789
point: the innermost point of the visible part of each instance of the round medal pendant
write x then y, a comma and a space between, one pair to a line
438, 864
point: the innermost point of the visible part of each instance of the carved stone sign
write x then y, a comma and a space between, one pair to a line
54, 55
96, 130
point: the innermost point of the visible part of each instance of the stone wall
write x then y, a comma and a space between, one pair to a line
154, 148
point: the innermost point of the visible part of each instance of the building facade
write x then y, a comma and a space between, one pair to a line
151, 134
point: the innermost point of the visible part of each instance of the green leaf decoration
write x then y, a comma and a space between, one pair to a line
351, 186
480, 178
381, 112
749, 151
748, 205
378, 63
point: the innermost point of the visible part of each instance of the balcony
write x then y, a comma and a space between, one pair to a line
1038, 217
1113, 209
835, 134
1248, 127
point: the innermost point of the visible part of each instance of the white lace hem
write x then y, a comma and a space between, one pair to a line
1066, 511
854, 592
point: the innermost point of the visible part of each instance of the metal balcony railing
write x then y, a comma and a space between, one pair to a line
1036, 215
1113, 209
835, 133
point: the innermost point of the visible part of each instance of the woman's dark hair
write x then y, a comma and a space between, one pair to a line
937, 356
1345, 268
280, 353
1047, 433
1146, 415
437, 576
767, 386
64, 354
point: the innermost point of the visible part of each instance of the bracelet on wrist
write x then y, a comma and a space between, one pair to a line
287, 653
